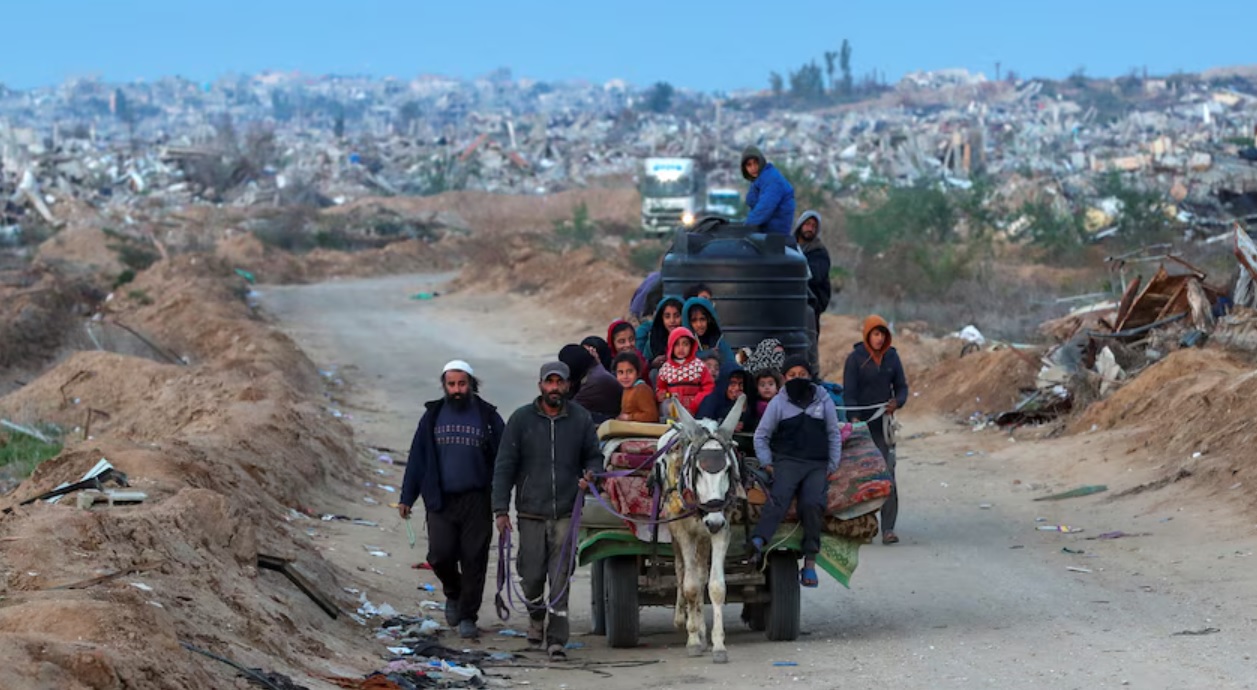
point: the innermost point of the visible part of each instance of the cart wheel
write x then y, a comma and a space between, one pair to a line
783, 583
621, 613
755, 616
598, 597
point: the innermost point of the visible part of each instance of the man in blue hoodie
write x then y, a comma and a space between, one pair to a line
770, 198
451, 467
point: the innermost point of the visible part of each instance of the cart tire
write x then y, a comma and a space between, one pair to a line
755, 615
783, 584
621, 613
598, 598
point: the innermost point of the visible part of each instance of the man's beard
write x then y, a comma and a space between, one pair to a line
554, 399
458, 400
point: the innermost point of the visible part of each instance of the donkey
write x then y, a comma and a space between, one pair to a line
702, 470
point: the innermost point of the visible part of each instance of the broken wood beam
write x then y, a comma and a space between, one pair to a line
287, 568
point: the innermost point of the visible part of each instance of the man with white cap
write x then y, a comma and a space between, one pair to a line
451, 467
549, 449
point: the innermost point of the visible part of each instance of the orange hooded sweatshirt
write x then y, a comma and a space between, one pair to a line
870, 323
690, 380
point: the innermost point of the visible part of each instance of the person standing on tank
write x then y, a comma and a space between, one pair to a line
770, 198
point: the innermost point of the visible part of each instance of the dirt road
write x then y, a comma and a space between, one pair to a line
975, 596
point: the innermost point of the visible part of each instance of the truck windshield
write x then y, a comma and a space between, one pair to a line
680, 186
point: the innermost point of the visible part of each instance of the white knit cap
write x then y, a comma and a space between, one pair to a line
459, 365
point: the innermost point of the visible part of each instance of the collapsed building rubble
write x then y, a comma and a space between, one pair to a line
1103, 346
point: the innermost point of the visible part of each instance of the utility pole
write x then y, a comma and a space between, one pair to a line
997, 66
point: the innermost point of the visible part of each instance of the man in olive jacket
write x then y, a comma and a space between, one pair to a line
548, 451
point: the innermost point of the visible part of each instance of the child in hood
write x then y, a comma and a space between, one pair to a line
683, 376
638, 402
699, 315
667, 318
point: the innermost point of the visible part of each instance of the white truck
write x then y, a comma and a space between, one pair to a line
674, 193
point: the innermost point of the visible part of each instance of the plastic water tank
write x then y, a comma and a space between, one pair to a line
758, 283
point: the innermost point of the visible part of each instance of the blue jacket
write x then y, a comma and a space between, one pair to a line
771, 199
423, 469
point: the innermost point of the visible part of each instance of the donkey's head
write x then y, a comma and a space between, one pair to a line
709, 464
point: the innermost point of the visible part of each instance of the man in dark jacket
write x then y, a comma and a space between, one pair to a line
592, 387
451, 467
874, 375
770, 198
548, 452
807, 234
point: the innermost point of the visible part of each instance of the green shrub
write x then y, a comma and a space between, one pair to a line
21, 454
578, 231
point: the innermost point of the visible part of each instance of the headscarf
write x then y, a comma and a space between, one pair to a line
604, 350
766, 356
579, 362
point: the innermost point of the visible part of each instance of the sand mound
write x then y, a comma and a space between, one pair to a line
576, 282
224, 448
840, 332
1197, 400
489, 213
987, 382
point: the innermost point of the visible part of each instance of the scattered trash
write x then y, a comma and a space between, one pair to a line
574, 645
429, 627
1075, 493
984, 506
425, 295
1076, 569
141, 586
247, 275
1066, 549
385, 458
510, 633
1202, 631
785, 663
427, 587
1064, 529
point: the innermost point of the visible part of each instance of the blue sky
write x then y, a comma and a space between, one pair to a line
705, 45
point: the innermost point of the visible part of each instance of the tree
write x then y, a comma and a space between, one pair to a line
408, 113
830, 58
659, 98
844, 63
777, 83
807, 84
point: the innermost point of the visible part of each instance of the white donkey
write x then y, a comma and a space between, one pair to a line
701, 477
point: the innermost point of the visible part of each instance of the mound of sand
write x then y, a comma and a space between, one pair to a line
576, 282
1193, 400
488, 214
225, 448
989, 382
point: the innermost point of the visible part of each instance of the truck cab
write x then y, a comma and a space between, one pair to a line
674, 193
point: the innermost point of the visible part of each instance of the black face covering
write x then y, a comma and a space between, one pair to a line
800, 391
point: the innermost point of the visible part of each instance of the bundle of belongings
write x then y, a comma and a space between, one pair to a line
630, 447
857, 488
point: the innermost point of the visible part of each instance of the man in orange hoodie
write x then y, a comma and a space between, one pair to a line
874, 375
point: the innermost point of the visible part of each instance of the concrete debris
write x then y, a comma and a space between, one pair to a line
277, 139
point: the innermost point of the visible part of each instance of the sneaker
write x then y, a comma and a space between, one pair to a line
467, 629
451, 613
557, 652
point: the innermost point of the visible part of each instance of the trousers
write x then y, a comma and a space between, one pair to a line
458, 549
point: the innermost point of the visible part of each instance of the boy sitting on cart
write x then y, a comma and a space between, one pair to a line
798, 441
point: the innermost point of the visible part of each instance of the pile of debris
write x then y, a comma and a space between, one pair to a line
1105, 345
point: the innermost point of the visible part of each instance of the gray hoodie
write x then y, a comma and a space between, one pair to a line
780, 408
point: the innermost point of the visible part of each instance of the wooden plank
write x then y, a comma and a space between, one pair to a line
288, 569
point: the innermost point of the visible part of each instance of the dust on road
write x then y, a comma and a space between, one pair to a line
974, 597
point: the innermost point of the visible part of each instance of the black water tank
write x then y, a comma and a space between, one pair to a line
758, 282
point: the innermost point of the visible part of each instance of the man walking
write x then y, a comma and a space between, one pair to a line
451, 467
873, 375
549, 450
770, 198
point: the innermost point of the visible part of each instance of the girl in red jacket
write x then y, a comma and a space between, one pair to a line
683, 376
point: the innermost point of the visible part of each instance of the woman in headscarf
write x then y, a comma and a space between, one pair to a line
768, 354
600, 350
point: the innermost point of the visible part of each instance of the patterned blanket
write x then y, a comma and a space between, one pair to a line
861, 477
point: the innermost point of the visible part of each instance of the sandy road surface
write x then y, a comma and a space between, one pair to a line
974, 597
